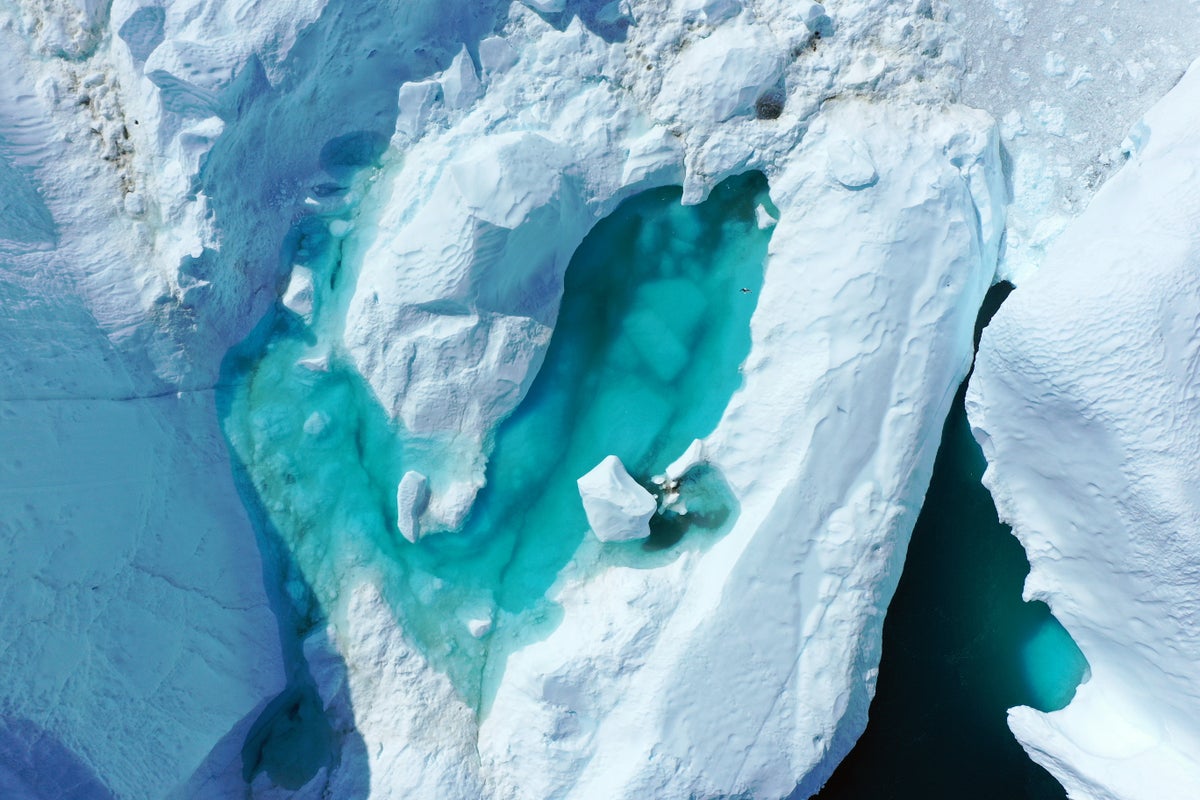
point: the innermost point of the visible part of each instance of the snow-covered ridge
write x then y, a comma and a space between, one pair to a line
1084, 400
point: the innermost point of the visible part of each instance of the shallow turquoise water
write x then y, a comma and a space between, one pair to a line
652, 330
960, 648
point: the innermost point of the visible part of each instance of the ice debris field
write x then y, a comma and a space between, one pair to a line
458, 399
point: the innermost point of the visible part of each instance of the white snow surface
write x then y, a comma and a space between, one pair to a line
1085, 401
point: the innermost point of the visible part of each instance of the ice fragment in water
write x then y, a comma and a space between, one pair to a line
617, 508
412, 497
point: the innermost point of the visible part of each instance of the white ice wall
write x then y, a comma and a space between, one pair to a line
1085, 401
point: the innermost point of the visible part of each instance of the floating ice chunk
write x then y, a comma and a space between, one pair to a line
813, 15
850, 164
617, 508
460, 82
763, 217
318, 363
477, 614
412, 498
496, 55
672, 499
298, 297
414, 103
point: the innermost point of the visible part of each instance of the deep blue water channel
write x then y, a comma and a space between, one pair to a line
960, 647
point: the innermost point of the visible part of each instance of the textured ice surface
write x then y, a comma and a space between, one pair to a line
435, 166
1085, 402
652, 328
136, 629
1066, 80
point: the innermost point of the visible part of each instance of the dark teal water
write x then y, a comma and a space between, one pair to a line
960, 647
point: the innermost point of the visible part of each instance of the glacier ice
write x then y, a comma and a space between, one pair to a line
1084, 402
617, 508
346, 229
213, 154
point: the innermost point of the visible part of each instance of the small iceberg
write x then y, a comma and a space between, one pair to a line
617, 508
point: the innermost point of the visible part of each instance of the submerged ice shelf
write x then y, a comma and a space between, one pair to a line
653, 326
